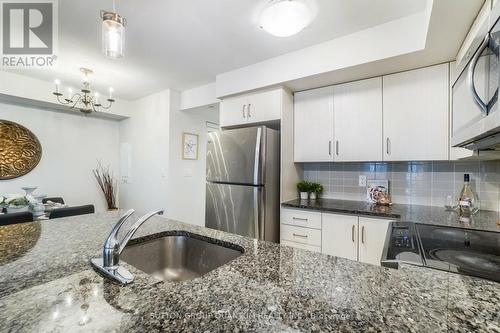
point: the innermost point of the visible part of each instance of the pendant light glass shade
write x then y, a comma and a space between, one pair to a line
113, 34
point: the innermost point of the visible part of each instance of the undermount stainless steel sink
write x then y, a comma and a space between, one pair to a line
179, 257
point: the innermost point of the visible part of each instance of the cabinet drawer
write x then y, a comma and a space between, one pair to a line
301, 246
301, 218
301, 235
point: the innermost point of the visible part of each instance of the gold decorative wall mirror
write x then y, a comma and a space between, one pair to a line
20, 150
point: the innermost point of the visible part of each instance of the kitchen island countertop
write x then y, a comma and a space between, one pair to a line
47, 285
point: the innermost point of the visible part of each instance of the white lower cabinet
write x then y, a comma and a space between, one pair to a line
301, 229
301, 246
347, 236
301, 235
340, 235
353, 237
371, 238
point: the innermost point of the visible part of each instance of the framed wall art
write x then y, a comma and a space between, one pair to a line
189, 146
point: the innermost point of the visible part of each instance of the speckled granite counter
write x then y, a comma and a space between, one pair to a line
483, 220
48, 285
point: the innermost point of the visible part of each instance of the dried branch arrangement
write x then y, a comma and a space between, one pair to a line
108, 184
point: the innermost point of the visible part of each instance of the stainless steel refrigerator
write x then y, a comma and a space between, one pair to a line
242, 192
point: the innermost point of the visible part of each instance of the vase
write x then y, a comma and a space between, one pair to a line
312, 196
29, 190
304, 195
17, 209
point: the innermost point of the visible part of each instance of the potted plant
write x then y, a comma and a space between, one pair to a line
316, 190
17, 203
304, 187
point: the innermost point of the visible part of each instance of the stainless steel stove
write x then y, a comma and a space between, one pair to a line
463, 251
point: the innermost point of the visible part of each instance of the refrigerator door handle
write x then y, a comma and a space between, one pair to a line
257, 161
257, 204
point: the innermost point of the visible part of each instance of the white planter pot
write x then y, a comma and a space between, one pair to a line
14, 209
304, 195
312, 196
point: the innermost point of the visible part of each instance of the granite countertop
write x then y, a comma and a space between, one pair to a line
483, 220
48, 285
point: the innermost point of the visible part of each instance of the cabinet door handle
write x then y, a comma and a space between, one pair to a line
330, 148
337, 147
248, 111
244, 114
387, 145
299, 218
363, 234
352, 233
299, 235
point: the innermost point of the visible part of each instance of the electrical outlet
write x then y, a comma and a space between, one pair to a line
362, 181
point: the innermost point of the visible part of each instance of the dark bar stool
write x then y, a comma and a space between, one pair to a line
54, 199
14, 218
71, 211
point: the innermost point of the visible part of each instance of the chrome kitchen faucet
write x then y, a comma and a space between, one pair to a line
109, 263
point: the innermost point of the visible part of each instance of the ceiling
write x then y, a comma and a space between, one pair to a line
182, 44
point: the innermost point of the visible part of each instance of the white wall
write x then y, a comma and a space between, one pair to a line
147, 134
186, 183
71, 146
158, 177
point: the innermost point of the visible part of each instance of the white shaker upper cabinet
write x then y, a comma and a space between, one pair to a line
233, 111
416, 115
264, 106
372, 234
461, 104
313, 125
252, 108
358, 120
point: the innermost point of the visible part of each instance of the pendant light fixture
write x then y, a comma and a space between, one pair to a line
285, 18
113, 33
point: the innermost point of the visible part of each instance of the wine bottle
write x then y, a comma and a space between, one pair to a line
467, 201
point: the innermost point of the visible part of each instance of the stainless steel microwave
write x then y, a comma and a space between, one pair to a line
475, 122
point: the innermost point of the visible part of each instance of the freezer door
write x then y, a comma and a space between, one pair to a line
234, 208
234, 156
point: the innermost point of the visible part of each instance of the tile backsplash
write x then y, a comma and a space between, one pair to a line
418, 183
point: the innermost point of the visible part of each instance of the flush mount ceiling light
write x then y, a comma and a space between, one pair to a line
284, 18
113, 33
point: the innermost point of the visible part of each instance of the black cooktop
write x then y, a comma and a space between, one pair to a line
470, 252
463, 251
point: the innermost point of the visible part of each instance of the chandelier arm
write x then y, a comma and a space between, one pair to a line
110, 103
77, 100
64, 102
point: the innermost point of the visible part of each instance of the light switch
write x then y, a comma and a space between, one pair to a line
188, 172
362, 181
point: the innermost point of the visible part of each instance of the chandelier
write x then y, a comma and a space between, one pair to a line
85, 100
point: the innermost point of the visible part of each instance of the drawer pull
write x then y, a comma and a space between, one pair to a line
299, 235
299, 218
352, 233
